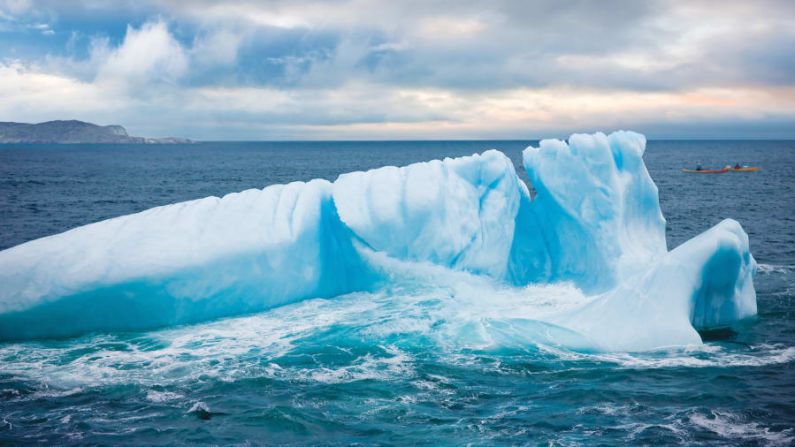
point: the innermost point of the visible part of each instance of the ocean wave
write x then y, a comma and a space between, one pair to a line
162, 396
775, 268
363, 336
696, 356
733, 427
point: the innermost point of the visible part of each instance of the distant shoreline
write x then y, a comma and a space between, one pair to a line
74, 132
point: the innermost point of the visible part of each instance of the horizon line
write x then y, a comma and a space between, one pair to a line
451, 140
410, 140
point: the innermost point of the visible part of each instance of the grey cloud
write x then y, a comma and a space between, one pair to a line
318, 52
518, 43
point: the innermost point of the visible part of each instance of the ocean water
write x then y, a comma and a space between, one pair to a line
404, 364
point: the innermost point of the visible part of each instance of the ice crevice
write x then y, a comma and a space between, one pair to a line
595, 222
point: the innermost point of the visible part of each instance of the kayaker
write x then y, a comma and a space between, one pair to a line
737, 166
699, 168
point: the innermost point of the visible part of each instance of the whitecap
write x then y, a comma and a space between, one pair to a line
775, 268
732, 426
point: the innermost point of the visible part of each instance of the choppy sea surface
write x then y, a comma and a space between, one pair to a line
404, 364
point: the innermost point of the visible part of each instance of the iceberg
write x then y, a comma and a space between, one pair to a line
591, 220
458, 213
181, 263
703, 284
596, 209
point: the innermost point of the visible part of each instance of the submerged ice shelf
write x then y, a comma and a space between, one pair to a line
595, 222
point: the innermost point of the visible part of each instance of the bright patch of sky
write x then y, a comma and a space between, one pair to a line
367, 69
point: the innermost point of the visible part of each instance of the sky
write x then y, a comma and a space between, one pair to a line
383, 70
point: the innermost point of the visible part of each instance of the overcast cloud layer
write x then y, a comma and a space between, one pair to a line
383, 69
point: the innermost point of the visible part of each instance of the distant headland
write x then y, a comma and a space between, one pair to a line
74, 132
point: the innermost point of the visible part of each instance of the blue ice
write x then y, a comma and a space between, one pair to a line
594, 225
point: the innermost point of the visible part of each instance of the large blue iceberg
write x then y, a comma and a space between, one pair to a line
593, 221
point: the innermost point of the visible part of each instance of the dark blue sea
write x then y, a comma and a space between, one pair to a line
361, 369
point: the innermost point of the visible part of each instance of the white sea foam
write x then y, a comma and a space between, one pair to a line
398, 366
460, 318
162, 396
733, 427
775, 268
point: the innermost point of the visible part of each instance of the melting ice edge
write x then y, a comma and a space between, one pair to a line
595, 222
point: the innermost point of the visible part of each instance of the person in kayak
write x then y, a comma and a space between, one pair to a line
699, 168
737, 166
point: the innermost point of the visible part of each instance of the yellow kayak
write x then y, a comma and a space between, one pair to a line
745, 169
